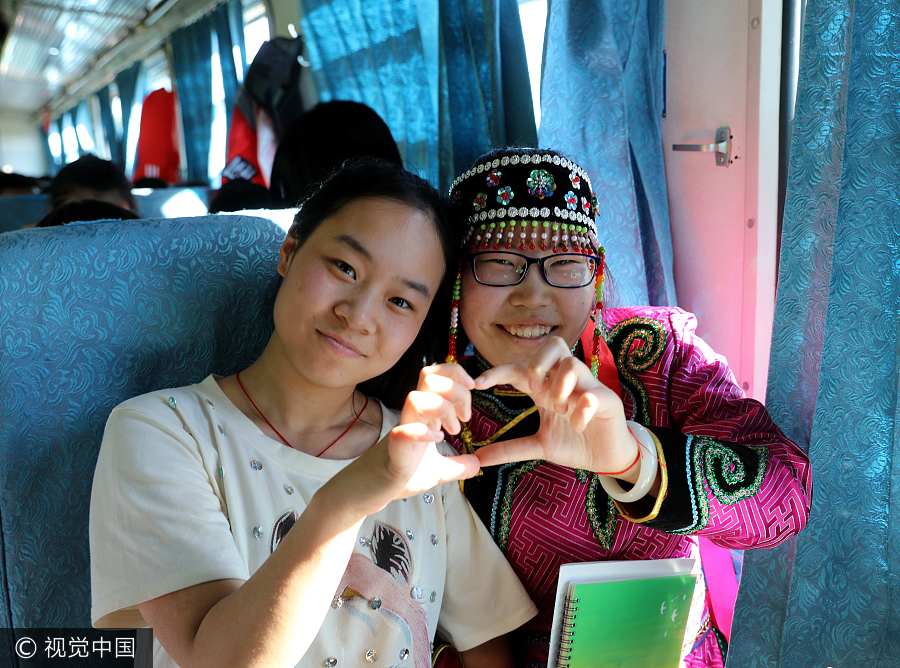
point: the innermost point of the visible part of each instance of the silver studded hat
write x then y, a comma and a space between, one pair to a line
526, 198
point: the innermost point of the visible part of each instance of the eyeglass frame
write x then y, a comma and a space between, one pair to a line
530, 261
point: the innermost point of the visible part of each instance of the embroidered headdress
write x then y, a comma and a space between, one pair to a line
524, 199
521, 200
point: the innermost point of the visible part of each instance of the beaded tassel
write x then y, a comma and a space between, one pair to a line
598, 317
454, 316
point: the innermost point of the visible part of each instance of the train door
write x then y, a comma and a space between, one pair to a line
721, 146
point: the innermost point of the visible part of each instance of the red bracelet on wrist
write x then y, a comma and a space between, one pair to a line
637, 458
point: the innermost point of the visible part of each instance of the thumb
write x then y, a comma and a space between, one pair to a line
514, 450
457, 467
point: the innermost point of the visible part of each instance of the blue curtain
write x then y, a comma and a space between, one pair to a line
222, 25
373, 53
53, 164
127, 83
601, 104
832, 596
73, 120
449, 78
58, 124
191, 56
485, 93
236, 23
109, 127
83, 115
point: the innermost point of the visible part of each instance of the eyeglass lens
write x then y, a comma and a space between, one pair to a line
564, 270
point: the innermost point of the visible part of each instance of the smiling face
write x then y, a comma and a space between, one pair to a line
508, 324
351, 304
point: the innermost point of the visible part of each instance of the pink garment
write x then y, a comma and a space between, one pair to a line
733, 477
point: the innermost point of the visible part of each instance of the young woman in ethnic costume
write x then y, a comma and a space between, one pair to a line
575, 403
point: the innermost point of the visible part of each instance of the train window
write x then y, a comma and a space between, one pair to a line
156, 72
256, 27
533, 15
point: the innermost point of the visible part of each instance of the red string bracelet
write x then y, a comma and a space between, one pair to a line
637, 458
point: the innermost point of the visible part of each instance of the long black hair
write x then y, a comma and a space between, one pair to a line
369, 177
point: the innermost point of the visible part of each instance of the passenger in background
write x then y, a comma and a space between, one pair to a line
85, 210
321, 140
91, 178
239, 195
151, 182
18, 184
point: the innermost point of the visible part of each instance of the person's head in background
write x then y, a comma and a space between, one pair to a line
151, 182
85, 210
18, 184
90, 177
240, 194
321, 140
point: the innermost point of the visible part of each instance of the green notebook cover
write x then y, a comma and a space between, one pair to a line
626, 624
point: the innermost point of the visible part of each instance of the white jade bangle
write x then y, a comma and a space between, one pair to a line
649, 466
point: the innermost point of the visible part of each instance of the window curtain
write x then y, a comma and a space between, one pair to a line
236, 23
109, 127
191, 54
72, 115
601, 104
449, 78
372, 52
221, 19
831, 597
58, 126
53, 164
485, 93
88, 143
127, 83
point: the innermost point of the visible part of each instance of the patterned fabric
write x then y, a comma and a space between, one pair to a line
191, 49
372, 52
732, 475
541, 215
451, 70
484, 93
93, 314
832, 597
601, 104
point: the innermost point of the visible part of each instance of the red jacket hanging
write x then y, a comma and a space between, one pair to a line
157, 151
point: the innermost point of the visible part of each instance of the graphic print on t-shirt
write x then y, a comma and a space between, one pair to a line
390, 551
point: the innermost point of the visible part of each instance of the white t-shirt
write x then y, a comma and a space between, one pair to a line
188, 490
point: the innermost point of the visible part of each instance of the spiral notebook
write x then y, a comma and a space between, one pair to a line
621, 614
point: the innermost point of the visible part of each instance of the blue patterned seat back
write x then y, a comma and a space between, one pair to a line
18, 211
90, 315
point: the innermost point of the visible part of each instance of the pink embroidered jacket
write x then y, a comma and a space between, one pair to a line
731, 475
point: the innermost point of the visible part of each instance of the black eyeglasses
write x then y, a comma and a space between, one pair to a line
561, 270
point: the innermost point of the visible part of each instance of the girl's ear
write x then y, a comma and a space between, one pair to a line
286, 254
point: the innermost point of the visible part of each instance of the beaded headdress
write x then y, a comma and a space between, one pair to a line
522, 199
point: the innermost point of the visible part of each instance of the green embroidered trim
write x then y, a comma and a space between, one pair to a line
729, 486
603, 524
505, 510
710, 461
582, 476
723, 644
695, 489
629, 362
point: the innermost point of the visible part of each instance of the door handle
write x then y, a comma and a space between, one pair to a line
722, 147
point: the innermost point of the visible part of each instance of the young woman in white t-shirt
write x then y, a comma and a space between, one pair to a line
287, 515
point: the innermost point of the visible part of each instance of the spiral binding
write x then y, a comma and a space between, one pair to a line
567, 632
